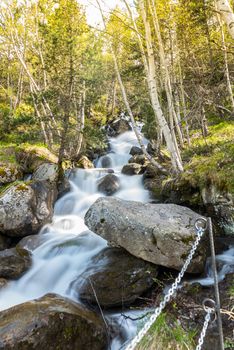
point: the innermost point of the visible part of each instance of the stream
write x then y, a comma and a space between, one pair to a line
63, 249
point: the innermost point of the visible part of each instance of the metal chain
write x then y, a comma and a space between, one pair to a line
170, 293
204, 329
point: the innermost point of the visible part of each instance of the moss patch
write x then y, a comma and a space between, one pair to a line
211, 160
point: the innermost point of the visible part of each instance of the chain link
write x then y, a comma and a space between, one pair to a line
170, 293
204, 329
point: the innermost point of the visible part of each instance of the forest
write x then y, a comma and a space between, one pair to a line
116, 148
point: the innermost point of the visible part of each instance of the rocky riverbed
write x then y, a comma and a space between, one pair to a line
109, 242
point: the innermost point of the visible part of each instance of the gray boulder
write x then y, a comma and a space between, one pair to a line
132, 169
46, 171
109, 184
118, 127
51, 322
159, 233
136, 151
26, 207
14, 262
117, 277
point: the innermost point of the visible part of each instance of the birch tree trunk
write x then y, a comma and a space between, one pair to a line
127, 105
81, 121
225, 10
226, 67
152, 83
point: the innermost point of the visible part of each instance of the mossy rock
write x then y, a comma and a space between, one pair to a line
51, 322
9, 173
30, 157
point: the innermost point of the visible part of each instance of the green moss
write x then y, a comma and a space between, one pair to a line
187, 240
209, 161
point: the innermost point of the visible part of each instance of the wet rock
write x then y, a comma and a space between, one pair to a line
26, 207
106, 162
51, 322
3, 283
210, 200
31, 242
63, 187
109, 184
4, 242
14, 262
140, 159
9, 173
132, 169
31, 157
46, 171
118, 127
136, 151
84, 163
160, 233
117, 277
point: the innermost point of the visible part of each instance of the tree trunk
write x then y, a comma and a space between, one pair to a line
176, 162
127, 105
225, 10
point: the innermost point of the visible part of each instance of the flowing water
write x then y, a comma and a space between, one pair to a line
63, 249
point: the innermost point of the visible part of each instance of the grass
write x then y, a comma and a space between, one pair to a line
211, 160
7, 154
167, 335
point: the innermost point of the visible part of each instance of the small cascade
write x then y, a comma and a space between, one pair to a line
64, 248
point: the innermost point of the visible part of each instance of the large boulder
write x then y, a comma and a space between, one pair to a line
51, 322
117, 277
14, 262
46, 171
160, 233
109, 184
118, 127
26, 207
30, 157
9, 173
132, 169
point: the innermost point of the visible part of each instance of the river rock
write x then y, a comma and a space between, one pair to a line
31, 157
117, 277
26, 207
139, 159
46, 171
106, 162
3, 283
159, 233
9, 173
4, 242
14, 262
132, 169
51, 322
136, 151
118, 127
109, 184
84, 163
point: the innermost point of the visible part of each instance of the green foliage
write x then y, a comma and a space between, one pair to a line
167, 333
211, 159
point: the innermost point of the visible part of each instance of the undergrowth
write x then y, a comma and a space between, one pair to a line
167, 333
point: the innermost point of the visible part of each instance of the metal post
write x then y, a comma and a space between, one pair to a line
216, 284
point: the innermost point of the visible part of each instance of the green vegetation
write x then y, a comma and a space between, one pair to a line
167, 333
211, 159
